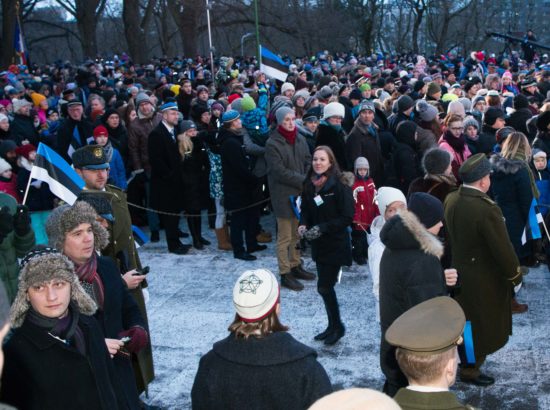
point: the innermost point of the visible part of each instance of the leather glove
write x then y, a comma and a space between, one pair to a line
22, 220
313, 233
139, 338
6, 222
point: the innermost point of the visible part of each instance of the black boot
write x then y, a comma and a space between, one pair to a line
358, 248
198, 228
192, 223
333, 311
323, 335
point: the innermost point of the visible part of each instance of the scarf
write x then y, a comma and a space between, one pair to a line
289, 136
457, 144
108, 148
90, 280
365, 129
337, 128
65, 329
318, 181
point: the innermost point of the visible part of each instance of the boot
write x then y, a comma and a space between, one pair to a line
333, 311
325, 333
222, 235
198, 230
264, 237
290, 282
358, 242
519, 307
192, 223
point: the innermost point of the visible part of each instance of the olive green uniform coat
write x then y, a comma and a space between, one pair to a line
414, 400
486, 263
121, 239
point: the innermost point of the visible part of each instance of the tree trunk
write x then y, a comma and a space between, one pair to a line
86, 21
186, 16
135, 35
417, 22
7, 53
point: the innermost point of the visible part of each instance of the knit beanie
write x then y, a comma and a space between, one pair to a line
186, 125
367, 105
4, 166
4, 117
355, 94
217, 106
543, 121
100, 131
477, 99
364, 87
491, 115
255, 295
386, 196
334, 109
466, 103
436, 161
287, 86
361, 163
520, 101
470, 121
456, 108
404, 103
229, 116
7, 146
25, 150
325, 92
141, 98
65, 218
425, 111
433, 88
282, 112
303, 93
42, 265
427, 208
537, 153
248, 103
19, 103
237, 105
418, 85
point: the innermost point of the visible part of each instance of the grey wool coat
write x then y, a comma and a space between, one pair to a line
287, 166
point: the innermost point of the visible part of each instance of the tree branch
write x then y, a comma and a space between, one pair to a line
67, 6
42, 38
48, 23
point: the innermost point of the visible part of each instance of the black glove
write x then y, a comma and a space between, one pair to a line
313, 233
22, 220
6, 222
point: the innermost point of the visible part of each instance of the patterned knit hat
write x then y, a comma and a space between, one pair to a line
65, 218
255, 295
42, 265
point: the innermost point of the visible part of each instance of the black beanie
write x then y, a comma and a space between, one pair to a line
491, 115
520, 101
419, 85
543, 121
404, 103
355, 94
427, 208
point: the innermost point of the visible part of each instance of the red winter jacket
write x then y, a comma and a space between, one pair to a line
365, 208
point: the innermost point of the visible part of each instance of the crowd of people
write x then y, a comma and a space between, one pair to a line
388, 162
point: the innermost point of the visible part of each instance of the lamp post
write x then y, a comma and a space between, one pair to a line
242, 42
210, 37
256, 20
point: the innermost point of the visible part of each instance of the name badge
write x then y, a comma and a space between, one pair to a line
318, 200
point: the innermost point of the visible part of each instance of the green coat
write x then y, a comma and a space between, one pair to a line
414, 400
121, 240
486, 263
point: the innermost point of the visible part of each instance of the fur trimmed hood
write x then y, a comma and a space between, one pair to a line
506, 166
404, 231
347, 178
65, 218
43, 268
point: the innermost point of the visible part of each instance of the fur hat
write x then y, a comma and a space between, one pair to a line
42, 265
255, 295
436, 161
426, 112
65, 218
334, 109
386, 196
4, 165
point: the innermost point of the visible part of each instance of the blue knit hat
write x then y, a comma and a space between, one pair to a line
229, 116
168, 106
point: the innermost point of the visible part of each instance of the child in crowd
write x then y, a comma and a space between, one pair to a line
117, 173
8, 182
364, 191
389, 201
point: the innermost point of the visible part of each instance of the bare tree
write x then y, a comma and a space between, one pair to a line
441, 14
136, 18
419, 8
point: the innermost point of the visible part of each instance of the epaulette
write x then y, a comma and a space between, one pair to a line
487, 199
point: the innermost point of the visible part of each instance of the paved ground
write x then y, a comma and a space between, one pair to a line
190, 308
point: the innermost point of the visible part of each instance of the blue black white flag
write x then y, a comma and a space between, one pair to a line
273, 66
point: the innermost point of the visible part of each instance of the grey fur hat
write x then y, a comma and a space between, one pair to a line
65, 218
42, 265
435, 161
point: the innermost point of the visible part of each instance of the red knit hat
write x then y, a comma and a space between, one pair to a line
25, 150
99, 131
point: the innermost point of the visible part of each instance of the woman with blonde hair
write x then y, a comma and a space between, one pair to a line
195, 168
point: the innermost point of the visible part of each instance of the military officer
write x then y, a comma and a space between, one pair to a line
487, 265
426, 338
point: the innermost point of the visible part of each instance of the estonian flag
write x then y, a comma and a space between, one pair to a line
51, 168
19, 42
532, 228
273, 66
140, 238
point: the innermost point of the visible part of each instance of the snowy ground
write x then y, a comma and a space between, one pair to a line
190, 308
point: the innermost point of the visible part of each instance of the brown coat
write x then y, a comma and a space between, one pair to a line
486, 263
138, 133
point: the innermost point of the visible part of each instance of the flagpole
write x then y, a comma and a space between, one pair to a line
257, 32
27, 190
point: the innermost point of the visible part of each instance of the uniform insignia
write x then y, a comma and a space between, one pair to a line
250, 284
98, 152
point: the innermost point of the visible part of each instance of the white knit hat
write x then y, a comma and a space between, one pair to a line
287, 86
386, 196
255, 295
334, 109
20, 103
4, 117
4, 165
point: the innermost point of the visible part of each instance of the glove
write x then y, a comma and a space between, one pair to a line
313, 233
139, 338
22, 220
6, 222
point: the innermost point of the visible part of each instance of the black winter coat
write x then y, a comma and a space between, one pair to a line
335, 140
38, 199
362, 143
239, 183
66, 134
333, 216
518, 120
347, 123
120, 312
195, 169
410, 273
275, 372
542, 142
22, 128
487, 140
165, 159
405, 164
511, 190
43, 373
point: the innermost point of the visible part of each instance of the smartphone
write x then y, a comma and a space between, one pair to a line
143, 271
125, 339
